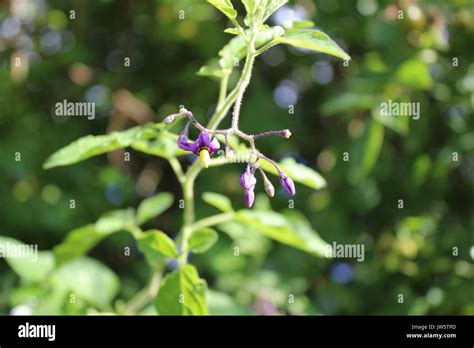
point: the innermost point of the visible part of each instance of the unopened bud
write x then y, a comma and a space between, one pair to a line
269, 189
169, 119
278, 31
286, 133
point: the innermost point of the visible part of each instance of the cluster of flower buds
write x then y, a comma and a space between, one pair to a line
248, 182
206, 145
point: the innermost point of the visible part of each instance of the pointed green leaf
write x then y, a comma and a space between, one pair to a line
225, 6
233, 31
271, 7
414, 73
236, 49
88, 279
367, 151
153, 206
296, 171
25, 259
164, 145
211, 71
79, 241
299, 25
155, 241
202, 240
93, 145
313, 40
291, 231
182, 292
217, 200
115, 221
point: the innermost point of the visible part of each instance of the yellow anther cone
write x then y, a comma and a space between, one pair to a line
204, 157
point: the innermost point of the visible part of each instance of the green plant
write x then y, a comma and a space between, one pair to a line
182, 291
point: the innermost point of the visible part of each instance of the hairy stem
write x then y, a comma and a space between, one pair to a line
234, 97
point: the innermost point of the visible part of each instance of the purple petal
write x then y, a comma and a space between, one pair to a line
214, 146
288, 185
184, 144
249, 198
203, 141
248, 180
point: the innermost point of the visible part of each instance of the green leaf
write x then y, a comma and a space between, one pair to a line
313, 40
233, 31
296, 233
222, 304
299, 25
236, 49
202, 240
25, 260
272, 6
79, 241
348, 102
155, 241
414, 73
217, 200
397, 124
88, 279
248, 239
211, 71
182, 292
296, 171
153, 206
164, 145
115, 221
250, 8
225, 6
367, 151
93, 145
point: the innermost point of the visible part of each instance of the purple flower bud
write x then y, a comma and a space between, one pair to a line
248, 180
249, 198
287, 184
169, 119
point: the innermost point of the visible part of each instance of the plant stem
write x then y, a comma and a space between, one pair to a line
234, 97
212, 220
143, 296
178, 170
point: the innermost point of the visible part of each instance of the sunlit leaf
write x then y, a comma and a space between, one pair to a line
25, 259
271, 7
153, 206
348, 102
217, 200
93, 145
289, 231
296, 171
236, 49
78, 242
164, 145
225, 6
155, 241
202, 240
314, 40
414, 73
367, 151
182, 292
88, 279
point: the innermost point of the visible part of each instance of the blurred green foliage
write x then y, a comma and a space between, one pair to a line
370, 162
